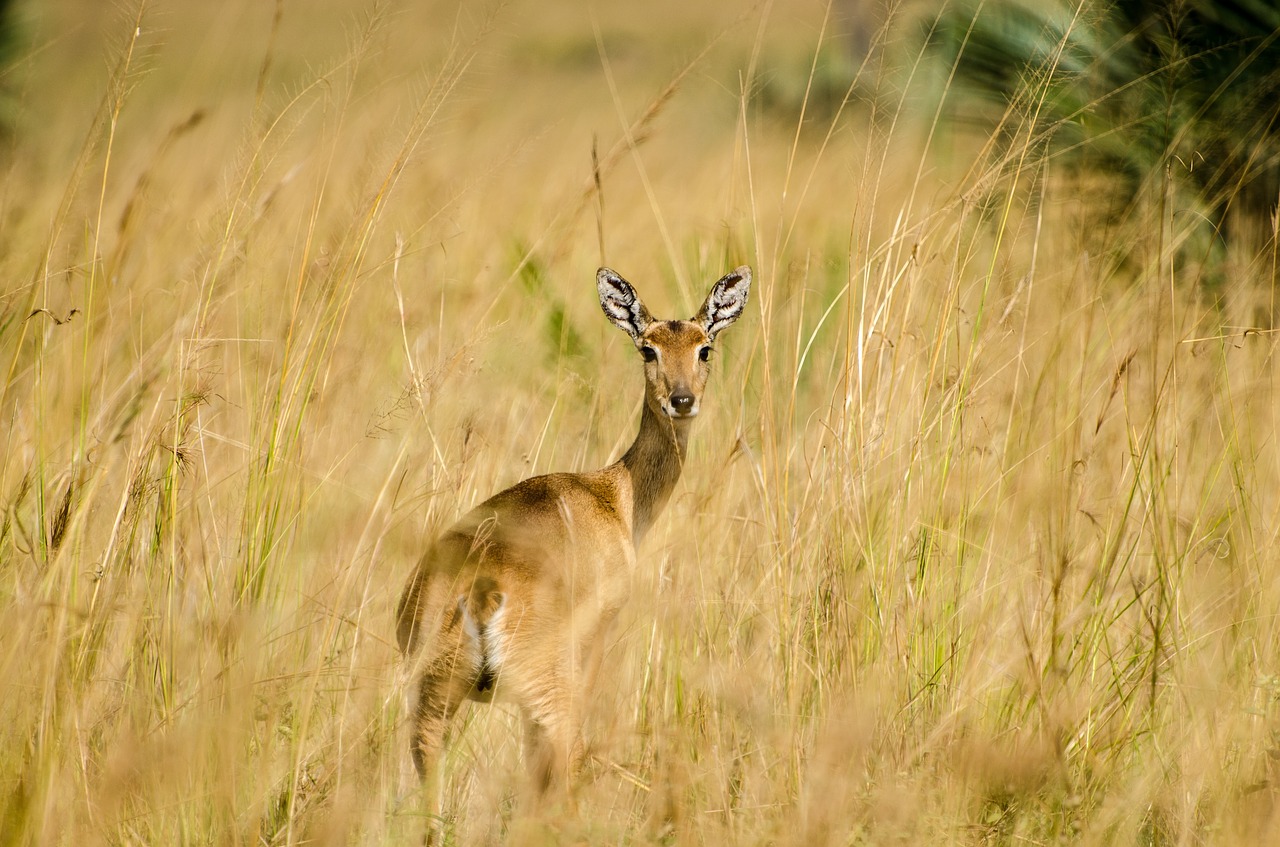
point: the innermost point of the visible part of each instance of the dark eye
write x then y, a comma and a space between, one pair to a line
650, 355
704, 353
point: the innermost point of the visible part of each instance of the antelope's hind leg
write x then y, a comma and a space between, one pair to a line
554, 712
553, 743
441, 690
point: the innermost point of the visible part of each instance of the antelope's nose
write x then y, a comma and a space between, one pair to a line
682, 404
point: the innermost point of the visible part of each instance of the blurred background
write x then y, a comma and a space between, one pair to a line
976, 542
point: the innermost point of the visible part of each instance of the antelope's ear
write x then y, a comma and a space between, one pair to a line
621, 304
726, 301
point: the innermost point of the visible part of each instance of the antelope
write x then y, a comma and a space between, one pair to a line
514, 602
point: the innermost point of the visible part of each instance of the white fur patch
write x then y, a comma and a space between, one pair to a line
495, 647
485, 642
470, 626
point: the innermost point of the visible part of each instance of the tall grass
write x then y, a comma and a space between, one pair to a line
975, 544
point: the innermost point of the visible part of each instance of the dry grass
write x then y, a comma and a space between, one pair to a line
977, 541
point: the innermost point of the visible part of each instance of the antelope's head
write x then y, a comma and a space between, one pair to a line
676, 353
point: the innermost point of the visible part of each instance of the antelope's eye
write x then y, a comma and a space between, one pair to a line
704, 354
650, 355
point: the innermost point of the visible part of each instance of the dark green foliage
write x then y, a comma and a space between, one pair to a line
815, 88
1142, 90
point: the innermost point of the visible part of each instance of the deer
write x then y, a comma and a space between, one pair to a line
515, 601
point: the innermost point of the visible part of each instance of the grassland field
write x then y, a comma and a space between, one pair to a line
977, 543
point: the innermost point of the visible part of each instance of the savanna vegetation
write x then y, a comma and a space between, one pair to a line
977, 542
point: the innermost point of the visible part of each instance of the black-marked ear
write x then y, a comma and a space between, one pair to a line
621, 304
726, 301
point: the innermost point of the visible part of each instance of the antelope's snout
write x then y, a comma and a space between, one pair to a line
681, 404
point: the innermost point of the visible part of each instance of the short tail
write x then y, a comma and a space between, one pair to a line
480, 608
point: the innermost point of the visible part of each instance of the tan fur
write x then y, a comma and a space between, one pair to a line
514, 602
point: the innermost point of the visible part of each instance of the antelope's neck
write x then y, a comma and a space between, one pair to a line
654, 462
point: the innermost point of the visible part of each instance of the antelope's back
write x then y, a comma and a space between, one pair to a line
558, 546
